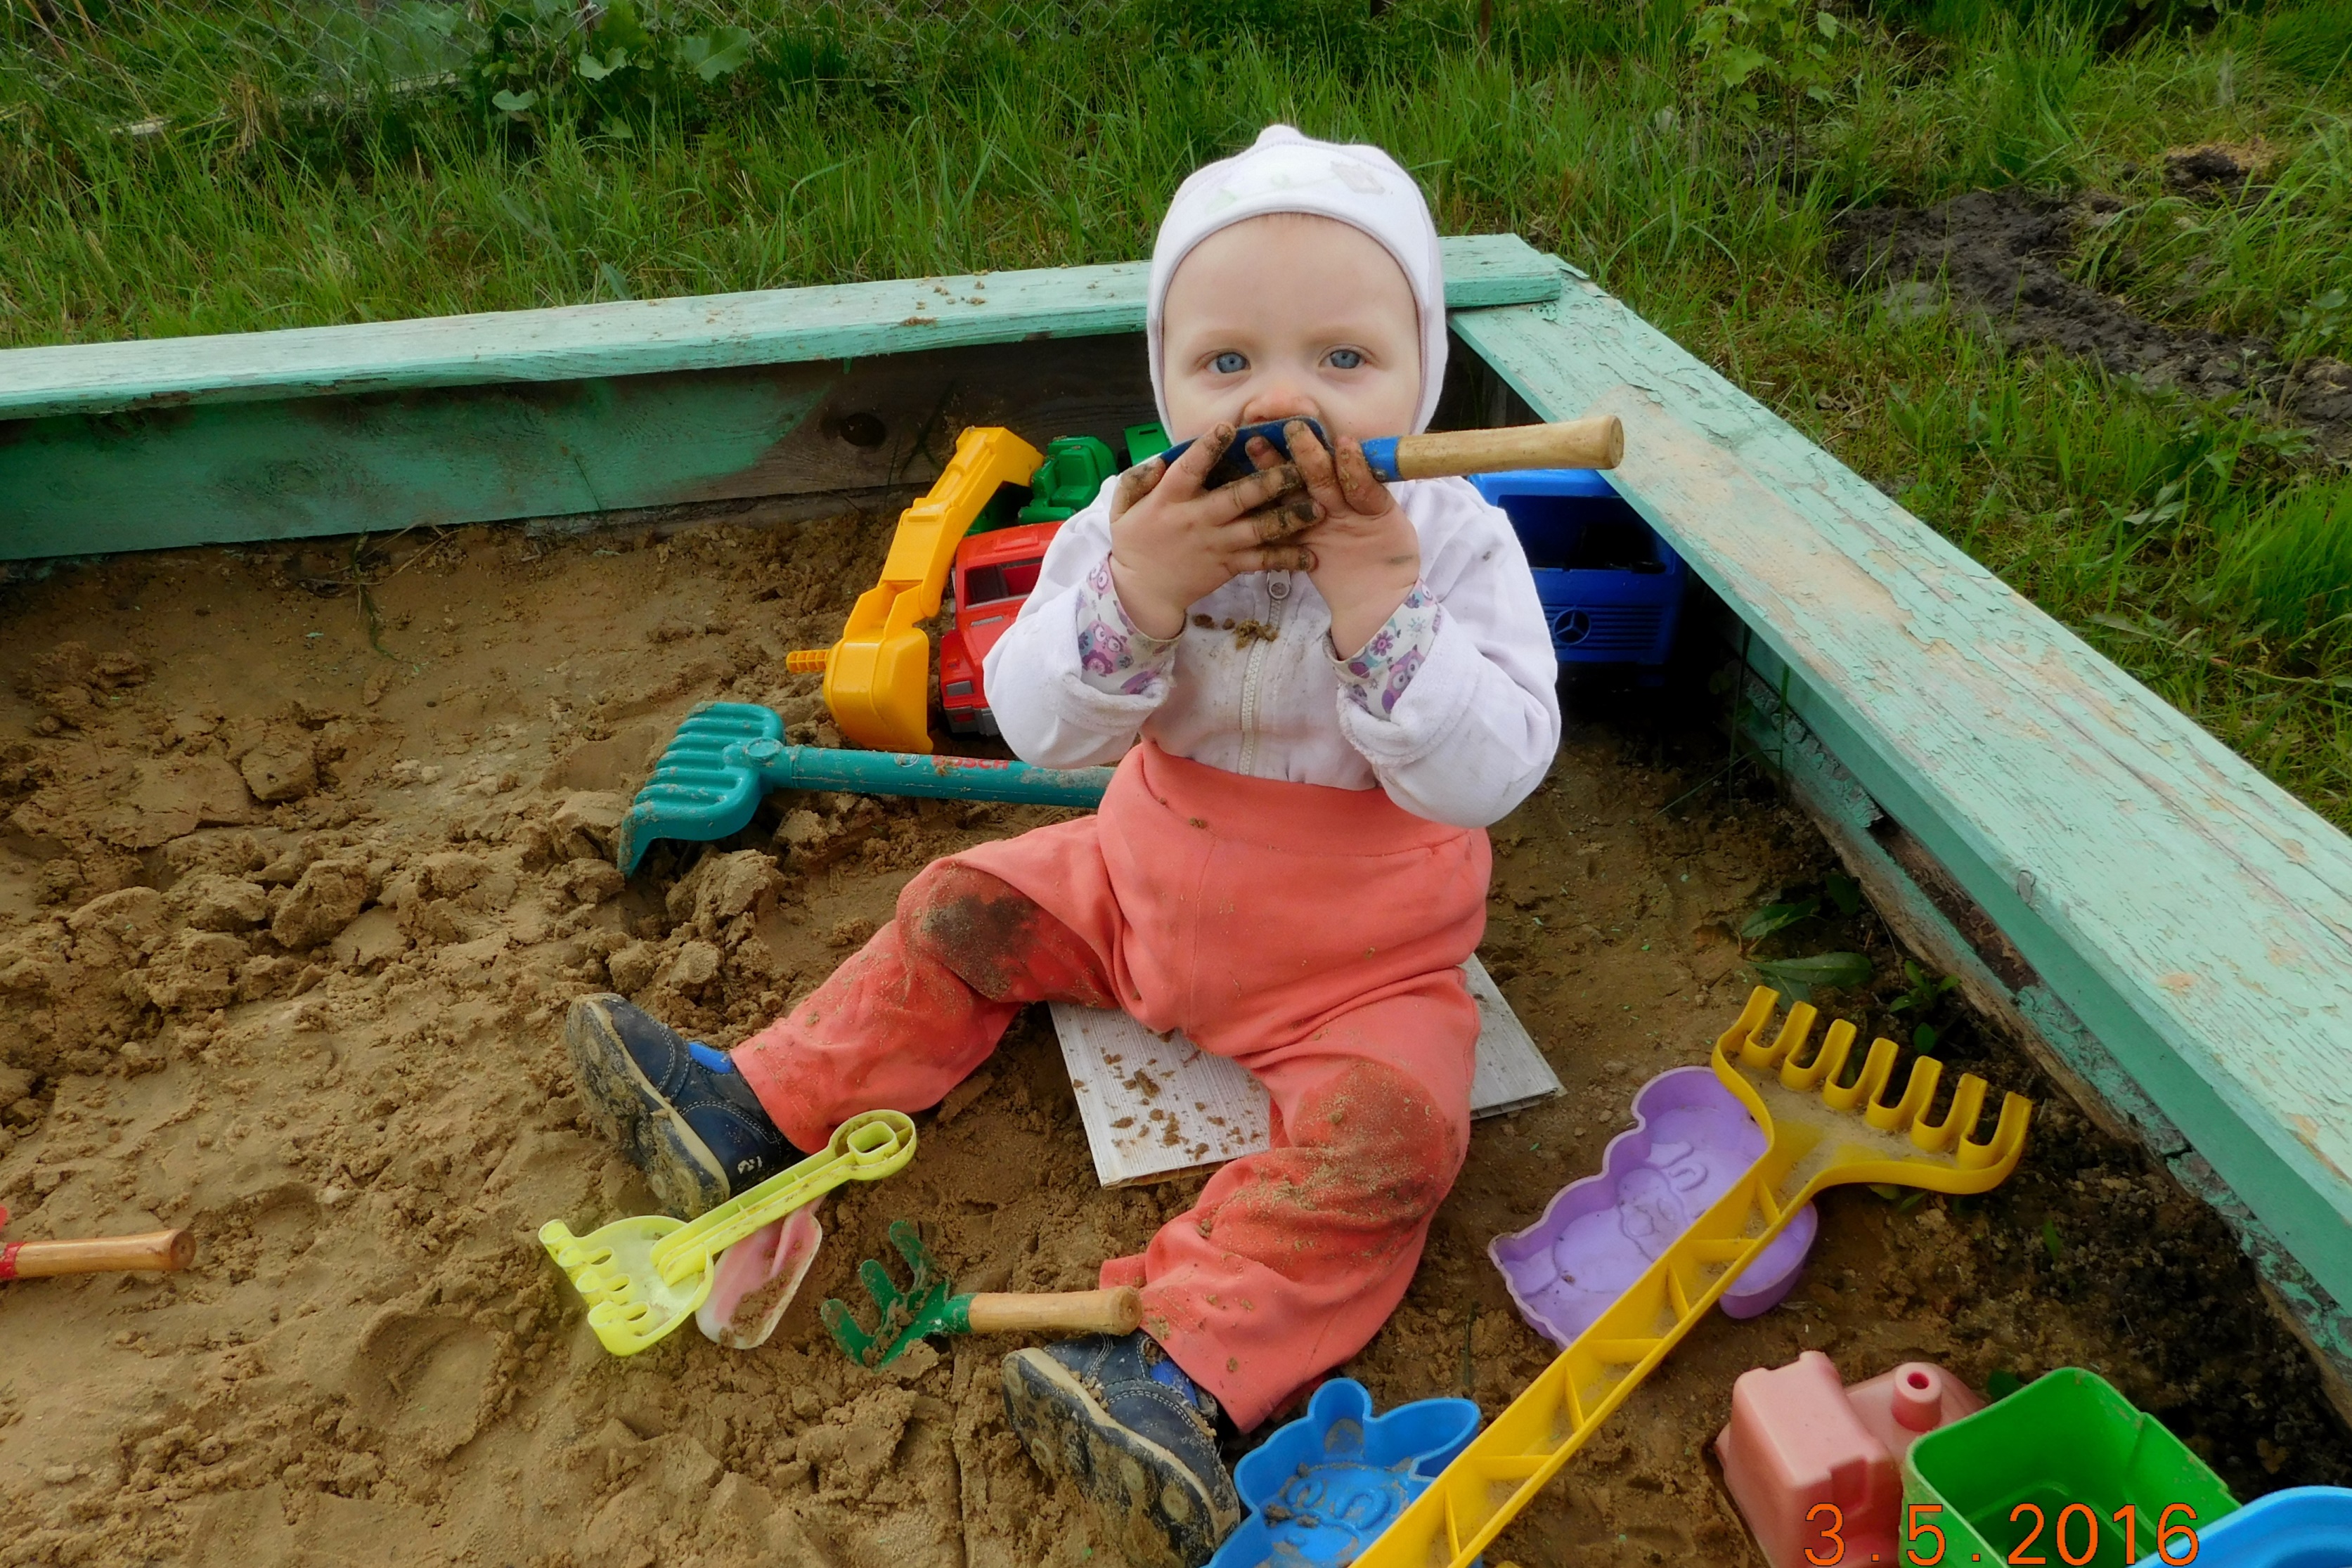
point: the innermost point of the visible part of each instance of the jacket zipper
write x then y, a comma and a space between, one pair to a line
1274, 604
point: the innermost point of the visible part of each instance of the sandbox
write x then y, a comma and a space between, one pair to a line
364, 1112
332, 656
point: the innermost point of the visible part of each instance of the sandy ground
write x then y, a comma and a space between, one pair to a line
298, 874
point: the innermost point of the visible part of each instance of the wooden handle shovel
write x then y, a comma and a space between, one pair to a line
926, 1306
1595, 443
1116, 1311
166, 1250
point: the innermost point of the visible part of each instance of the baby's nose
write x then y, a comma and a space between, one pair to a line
1279, 400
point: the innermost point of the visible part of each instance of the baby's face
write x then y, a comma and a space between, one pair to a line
1287, 315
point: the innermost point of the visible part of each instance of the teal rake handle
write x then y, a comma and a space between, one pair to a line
727, 756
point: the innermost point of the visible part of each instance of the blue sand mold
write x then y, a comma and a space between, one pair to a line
1339, 1475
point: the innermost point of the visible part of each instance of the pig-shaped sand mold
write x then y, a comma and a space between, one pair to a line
755, 1280
1691, 1139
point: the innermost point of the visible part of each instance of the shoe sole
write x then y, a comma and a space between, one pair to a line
1166, 1523
678, 1165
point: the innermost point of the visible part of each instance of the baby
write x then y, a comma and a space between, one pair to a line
1318, 690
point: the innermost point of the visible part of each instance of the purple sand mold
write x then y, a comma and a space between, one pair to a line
1690, 1140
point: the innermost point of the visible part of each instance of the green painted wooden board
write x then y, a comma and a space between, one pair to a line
224, 472
2197, 918
780, 326
465, 419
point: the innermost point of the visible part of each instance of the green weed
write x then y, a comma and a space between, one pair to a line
1798, 977
2313, 40
2285, 566
2273, 263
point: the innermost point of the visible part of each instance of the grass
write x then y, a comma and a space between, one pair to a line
2275, 265
210, 167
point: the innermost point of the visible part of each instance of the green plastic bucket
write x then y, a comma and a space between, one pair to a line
2042, 1476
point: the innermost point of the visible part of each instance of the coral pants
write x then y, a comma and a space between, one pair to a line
1312, 934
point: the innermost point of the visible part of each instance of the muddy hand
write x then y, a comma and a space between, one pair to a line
1367, 553
1278, 516
1292, 513
1174, 541
1339, 482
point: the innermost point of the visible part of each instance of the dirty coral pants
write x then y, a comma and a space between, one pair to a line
1312, 934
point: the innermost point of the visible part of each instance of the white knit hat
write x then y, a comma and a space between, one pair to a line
1284, 171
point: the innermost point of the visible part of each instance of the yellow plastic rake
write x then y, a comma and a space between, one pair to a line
642, 1278
1819, 1134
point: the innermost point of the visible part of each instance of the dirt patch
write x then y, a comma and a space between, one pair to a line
321, 1029
2001, 255
2220, 171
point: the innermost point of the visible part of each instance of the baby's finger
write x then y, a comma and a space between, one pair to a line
1272, 558
1249, 493
1264, 454
1189, 474
1365, 493
1272, 525
1313, 461
1134, 485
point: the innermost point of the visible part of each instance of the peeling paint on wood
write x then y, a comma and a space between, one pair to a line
652, 337
469, 419
2029, 1013
163, 476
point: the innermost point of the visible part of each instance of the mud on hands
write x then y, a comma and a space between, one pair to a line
1175, 538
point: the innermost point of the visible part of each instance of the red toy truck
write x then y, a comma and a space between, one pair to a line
994, 572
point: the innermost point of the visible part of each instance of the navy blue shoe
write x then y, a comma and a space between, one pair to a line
1120, 1421
678, 1109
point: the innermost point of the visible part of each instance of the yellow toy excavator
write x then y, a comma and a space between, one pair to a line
877, 677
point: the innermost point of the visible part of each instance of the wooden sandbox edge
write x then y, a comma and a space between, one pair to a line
588, 409
2172, 932
1933, 918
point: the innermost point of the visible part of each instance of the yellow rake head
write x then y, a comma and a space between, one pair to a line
1807, 1111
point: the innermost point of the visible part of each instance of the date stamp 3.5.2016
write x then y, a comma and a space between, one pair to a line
2073, 1534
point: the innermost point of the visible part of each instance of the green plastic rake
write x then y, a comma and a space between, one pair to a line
928, 1306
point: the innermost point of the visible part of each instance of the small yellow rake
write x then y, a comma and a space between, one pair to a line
1820, 1135
645, 1277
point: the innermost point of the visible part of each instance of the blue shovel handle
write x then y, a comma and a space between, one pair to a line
1380, 452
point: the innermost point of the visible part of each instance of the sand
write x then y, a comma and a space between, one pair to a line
304, 850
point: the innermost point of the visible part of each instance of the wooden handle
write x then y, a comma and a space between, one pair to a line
1117, 1310
168, 1250
1595, 443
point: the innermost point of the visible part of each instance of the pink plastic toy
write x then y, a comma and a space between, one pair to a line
1813, 1463
756, 1280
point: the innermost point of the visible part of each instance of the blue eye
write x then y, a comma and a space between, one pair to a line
1345, 359
1229, 363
